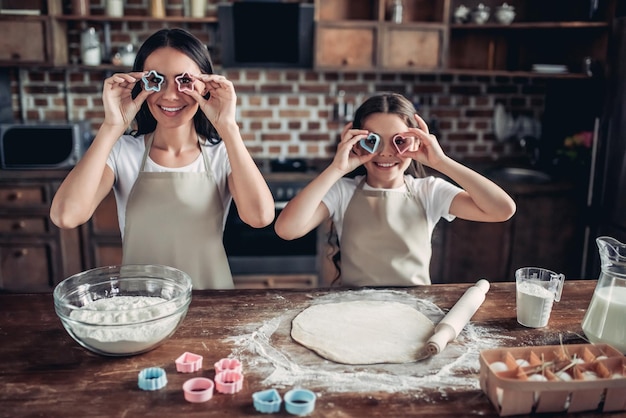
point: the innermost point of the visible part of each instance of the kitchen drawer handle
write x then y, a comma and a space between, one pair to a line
15, 196
19, 225
22, 252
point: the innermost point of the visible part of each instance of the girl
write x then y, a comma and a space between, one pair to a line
175, 177
384, 219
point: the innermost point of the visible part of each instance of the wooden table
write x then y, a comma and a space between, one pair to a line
45, 373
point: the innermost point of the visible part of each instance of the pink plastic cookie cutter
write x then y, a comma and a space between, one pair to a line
228, 382
185, 82
188, 363
198, 389
228, 364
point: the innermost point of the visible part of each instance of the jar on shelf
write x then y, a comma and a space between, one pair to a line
157, 8
114, 8
396, 11
91, 53
80, 7
127, 55
198, 8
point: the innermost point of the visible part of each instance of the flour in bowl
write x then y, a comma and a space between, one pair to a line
122, 324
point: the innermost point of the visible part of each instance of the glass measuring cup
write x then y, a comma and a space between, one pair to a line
536, 291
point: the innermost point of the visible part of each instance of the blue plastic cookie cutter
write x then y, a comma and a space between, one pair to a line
153, 81
152, 378
370, 143
267, 401
300, 402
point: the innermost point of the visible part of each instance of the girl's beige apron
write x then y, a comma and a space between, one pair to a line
175, 219
385, 240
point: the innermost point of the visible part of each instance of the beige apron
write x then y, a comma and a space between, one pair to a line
175, 219
385, 240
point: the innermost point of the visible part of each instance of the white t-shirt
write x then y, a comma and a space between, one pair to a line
434, 193
125, 161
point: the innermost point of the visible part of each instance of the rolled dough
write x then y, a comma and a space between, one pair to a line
363, 332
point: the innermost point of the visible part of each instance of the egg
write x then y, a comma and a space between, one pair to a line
522, 363
537, 378
498, 366
564, 376
589, 375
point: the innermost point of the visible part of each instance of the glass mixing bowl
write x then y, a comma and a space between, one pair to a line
123, 310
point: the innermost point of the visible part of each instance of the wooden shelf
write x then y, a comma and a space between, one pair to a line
103, 18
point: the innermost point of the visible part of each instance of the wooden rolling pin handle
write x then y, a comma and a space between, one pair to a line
460, 314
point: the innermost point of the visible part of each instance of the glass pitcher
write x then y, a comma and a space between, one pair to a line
604, 320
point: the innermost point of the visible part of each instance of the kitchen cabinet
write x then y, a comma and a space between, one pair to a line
35, 255
102, 239
359, 35
546, 231
47, 39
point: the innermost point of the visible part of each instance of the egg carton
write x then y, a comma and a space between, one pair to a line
554, 378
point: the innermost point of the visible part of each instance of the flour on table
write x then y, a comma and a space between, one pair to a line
267, 348
364, 332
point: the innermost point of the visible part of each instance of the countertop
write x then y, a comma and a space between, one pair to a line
46, 373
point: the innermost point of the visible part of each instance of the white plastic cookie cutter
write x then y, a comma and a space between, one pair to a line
188, 363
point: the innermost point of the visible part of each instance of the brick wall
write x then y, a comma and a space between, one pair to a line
286, 113
289, 113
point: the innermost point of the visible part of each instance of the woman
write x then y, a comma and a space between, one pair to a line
175, 177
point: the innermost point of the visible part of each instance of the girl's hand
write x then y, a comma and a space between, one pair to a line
220, 107
119, 106
429, 151
346, 159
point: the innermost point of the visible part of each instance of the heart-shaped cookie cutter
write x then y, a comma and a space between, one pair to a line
185, 82
188, 363
370, 143
152, 81
267, 401
403, 143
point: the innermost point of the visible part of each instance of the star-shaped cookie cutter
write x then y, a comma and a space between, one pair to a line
153, 81
185, 82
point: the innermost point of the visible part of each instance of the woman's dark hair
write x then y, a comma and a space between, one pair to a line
380, 103
185, 42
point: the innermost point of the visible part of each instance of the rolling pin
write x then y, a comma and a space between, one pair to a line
460, 314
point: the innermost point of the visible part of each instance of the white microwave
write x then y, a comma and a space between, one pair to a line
37, 146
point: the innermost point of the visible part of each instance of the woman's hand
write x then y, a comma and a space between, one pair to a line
346, 158
220, 107
429, 152
119, 106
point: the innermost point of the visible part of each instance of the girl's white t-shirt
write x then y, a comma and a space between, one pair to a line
434, 193
125, 161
